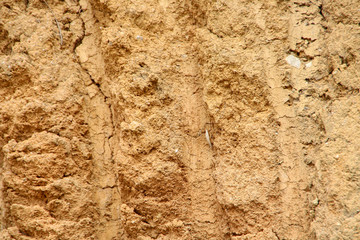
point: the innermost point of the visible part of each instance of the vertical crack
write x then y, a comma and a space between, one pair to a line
321, 11
107, 101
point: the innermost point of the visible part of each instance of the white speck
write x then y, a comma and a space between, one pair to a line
176, 150
309, 64
138, 37
207, 136
276, 133
293, 61
337, 156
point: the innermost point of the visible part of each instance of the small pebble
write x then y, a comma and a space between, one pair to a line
293, 61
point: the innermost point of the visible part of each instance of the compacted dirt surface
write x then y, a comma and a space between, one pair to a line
179, 119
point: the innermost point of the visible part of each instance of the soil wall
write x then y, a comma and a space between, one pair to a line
169, 119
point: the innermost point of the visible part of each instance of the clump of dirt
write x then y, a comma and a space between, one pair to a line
179, 119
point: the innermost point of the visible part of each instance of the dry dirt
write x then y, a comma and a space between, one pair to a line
104, 135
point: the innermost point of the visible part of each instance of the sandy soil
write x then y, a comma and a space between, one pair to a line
103, 127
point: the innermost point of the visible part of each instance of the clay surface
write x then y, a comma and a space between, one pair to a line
169, 119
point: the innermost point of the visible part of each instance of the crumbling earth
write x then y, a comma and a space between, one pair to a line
103, 134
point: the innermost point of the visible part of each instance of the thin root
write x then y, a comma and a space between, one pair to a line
57, 23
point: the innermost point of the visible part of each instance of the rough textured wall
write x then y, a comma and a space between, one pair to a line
103, 132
